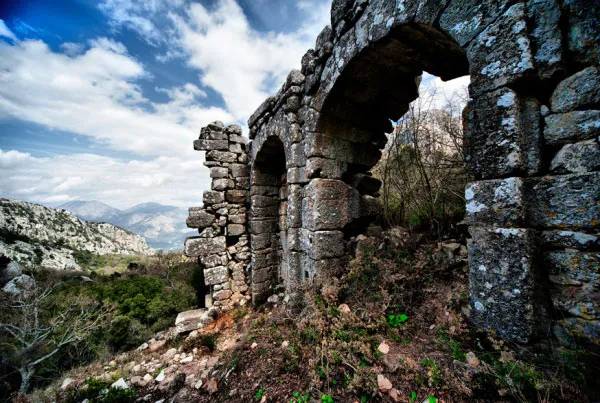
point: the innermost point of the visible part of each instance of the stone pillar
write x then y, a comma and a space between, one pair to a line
533, 211
222, 247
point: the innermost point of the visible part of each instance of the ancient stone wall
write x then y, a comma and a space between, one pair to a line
222, 247
531, 137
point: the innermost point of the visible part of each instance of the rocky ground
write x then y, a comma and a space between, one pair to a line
392, 327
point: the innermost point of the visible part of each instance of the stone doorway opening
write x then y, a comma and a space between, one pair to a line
269, 194
375, 89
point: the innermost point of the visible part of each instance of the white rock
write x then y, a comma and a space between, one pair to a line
66, 383
285, 344
160, 377
384, 384
383, 348
120, 384
147, 377
187, 359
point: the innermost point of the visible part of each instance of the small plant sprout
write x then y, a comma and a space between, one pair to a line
395, 320
326, 399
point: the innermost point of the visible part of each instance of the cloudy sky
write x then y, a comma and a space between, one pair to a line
101, 100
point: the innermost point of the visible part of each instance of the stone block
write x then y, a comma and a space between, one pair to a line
242, 183
210, 261
544, 17
236, 196
294, 239
264, 226
297, 175
234, 129
222, 295
207, 133
196, 246
294, 206
577, 92
503, 135
261, 241
318, 167
212, 197
563, 128
496, 202
216, 275
579, 157
219, 172
502, 53
502, 264
265, 201
262, 274
237, 219
236, 148
578, 333
564, 201
235, 229
201, 219
573, 268
296, 156
262, 212
569, 240
208, 145
322, 244
239, 170
329, 204
464, 19
191, 320
583, 17
222, 184
221, 156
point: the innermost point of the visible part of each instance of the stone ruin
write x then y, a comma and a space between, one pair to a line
532, 129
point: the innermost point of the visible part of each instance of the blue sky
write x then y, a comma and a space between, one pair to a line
101, 100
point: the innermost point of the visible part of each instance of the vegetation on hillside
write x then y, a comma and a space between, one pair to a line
106, 314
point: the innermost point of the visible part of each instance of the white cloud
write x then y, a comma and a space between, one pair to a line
5, 32
439, 93
170, 180
96, 94
240, 63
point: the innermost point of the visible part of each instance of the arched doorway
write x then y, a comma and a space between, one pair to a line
269, 194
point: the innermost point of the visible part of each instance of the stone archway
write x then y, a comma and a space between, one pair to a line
531, 140
269, 192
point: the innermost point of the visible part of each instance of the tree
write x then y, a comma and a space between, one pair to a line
34, 327
423, 169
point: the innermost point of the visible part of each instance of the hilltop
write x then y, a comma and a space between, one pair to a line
55, 238
162, 226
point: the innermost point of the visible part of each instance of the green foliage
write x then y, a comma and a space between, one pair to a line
300, 398
326, 399
434, 373
432, 399
396, 320
11, 237
100, 391
259, 393
454, 346
413, 397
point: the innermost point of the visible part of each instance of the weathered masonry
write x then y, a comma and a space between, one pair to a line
532, 139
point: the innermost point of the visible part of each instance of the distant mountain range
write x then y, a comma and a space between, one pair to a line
163, 226
58, 239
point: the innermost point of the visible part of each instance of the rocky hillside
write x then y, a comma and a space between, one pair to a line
31, 233
163, 226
